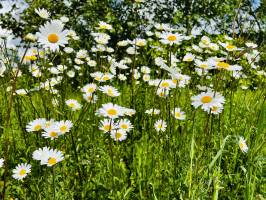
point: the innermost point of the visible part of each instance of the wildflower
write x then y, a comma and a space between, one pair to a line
89, 88
48, 156
125, 125
36, 125
111, 110
109, 90
64, 126
43, 13
21, 171
242, 145
51, 132
52, 35
188, 57
107, 125
153, 111
226, 66
207, 100
73, 104
171, 38
1, 162
160, 125
90, 98
178, 114
228, 46
204, 42
104, 26
118, 135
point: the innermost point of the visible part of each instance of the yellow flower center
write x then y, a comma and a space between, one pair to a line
124, 126
53, 38
214, 108
171, 38
53, 134
107, 127
206, 99
37, 127
177, 114
140, 43
165, 84
51, 161
112, 112
204, 66
22, 172
97, 78
118, 135
174, 81
110, 92
90, 90
205, 42
230, 47
189, 59
223, 65
106, 78
241, 145
63, 128
160, 126
72, 105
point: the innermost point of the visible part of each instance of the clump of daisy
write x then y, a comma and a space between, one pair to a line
242, 145
21, 171
47, 156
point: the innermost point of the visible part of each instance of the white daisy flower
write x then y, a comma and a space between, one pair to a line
178, 114
36, 125
89, 88
228, 46
125, 125
111, 110
48, 156
171, 38
110, 91
21, 171
242, 145
118, 135
51, 132
107, 125
73, 104
104, 26
160, 125
53, 157
43, 13
1, 162
64, 126
153, 111
90, 98
52, 35
207, 100
188, 57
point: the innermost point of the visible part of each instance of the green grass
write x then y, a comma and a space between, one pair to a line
198, 158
